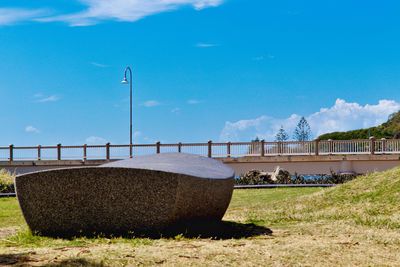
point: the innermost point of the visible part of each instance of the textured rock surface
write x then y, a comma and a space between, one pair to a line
140, 194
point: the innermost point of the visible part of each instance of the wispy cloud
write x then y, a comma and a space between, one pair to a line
99, 65
175, 110
125, 10
205, 45
342, 116
95, 140
140, 138
47, 99
9, 16
193, 101
31, 129
260, 58
151, 103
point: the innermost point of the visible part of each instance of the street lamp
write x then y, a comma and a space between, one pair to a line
125, 81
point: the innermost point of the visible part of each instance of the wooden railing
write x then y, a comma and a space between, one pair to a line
209, 149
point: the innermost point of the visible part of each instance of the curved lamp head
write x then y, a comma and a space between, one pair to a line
125, 81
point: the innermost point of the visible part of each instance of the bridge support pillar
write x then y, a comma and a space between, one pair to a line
316, 141
372, 145
262, 148
346, 166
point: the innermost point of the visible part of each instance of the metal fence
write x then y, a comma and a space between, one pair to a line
209, 149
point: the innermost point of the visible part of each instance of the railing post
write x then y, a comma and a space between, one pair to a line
179, 147
39, 152
11, 152
330, 146
130, 150
383, 145
58, 151
209, 148
158, 147
279, 144
228, 149
316, 144
262, 148
372, 145
84, 152
108, 151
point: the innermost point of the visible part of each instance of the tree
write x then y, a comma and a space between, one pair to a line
254, 148
391, 116
302, 131
281, 135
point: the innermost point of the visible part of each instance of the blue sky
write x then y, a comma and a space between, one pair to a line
203, 69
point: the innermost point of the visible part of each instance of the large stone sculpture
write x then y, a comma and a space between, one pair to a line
143, 194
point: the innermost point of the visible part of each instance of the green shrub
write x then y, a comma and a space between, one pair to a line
256, 177
332, 178
6, 181
390, 129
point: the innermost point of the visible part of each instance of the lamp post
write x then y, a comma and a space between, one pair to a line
125, 81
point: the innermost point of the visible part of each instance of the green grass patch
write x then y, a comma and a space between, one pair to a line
371, 200
249, 199
10, 214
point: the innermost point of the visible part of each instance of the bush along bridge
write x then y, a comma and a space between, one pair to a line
307, 157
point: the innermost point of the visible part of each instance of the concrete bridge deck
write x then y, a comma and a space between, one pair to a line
301, 164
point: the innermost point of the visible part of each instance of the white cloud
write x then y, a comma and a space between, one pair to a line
95, 140
258, 58
136, 134
9, 16
31, 129
151, 103
140, 138
126, 10
342, 116
48, 99
205, 45
175, 110
98, 65
193, 101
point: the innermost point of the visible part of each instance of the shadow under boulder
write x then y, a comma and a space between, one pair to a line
216, 230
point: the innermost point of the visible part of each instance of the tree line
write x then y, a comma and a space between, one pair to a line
302, 132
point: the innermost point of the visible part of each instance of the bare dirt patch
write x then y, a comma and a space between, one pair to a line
8, 231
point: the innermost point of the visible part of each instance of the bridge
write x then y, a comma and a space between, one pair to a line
308, 157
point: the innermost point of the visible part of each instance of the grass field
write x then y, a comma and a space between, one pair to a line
355, 224
6, 181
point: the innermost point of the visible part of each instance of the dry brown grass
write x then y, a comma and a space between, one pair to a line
6, 181
6, 177
303, 245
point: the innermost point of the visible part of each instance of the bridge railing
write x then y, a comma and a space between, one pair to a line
210, 149
346, 147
